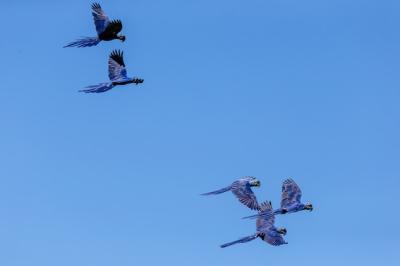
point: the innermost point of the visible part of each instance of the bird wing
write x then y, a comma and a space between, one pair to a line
291, 193
116, 66
265, 225
245, 195
267, 219
100, 18
272, 237
115, 26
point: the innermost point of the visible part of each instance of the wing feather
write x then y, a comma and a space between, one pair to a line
245, 195
115, 26
291, 193
100, 18
267, 219
116, 66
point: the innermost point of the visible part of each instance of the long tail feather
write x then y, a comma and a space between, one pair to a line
219, 191
266, 215
102, 87
84, 42
251, 216
242, 240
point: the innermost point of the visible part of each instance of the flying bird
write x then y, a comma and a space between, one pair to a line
290, 202
265, 229
106, 30
117, 74
242, 190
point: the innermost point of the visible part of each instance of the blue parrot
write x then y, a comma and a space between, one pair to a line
106, 30
117, 74
290, 202
265, 229
242, 190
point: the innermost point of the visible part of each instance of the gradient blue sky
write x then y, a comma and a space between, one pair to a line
306, 89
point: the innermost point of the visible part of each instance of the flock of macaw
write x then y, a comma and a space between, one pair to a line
107, 30
265, 228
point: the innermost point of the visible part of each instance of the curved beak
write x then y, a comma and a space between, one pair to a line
138, 81
283, 231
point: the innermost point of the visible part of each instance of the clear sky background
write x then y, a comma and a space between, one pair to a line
275, 89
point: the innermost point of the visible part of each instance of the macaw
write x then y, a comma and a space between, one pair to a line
117, 74
290, 202
265, 229
242, 190
106, 30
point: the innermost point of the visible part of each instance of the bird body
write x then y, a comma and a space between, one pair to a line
111, 31
117, 74
106, 30
290, 201
296, 207
266, 229
242, 190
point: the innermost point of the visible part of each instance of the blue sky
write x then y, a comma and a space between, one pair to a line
275, 89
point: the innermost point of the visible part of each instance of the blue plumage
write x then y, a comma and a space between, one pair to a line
241, 240
219, 191
242, 190
106, 30
266, 229
116, 66
102, 87
101, 20
290, 202
117, 74
84, 42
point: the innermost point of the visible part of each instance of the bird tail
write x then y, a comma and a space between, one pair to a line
242, 240
266, 215
219, 191
84, 42
102, 87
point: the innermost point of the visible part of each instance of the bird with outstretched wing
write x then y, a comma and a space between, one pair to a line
265, 229
290, 200
241, 188
107, 29
116, 73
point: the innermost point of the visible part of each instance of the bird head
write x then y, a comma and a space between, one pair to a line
282, 231
137, 81
308, 206
122, 37
255, 183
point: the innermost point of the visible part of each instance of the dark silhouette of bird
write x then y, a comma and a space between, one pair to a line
265, 229
117, 74
290, 202
242, 190
106, 30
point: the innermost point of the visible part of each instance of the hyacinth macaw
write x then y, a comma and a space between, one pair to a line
117, 74
265, 229
290, 202
242, 190
106, 30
